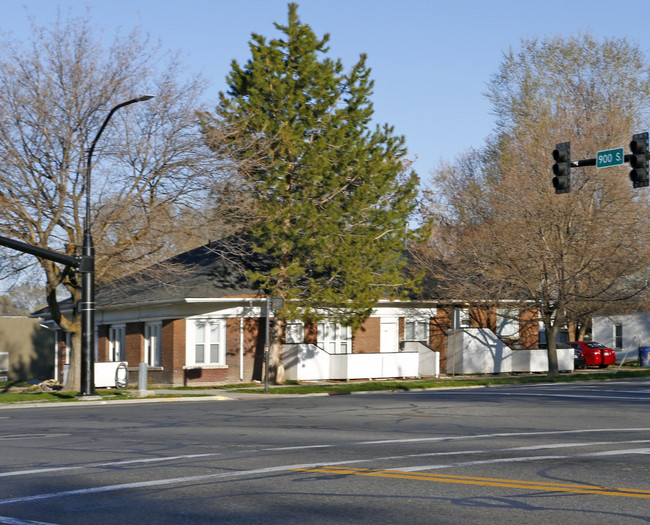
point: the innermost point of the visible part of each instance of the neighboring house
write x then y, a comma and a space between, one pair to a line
196, 319
25, 349
625, 333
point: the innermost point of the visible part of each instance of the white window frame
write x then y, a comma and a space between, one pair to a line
207, 342
295, 332
68, 346
462, 318
153, 344
616, 327
508, 323
334, 338
116, 342
416, 329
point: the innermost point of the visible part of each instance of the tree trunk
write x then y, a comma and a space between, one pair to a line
276, 368
553, 368
551, 345
73, 382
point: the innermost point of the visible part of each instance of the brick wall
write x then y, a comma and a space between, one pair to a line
233, 327
205, 376
438, 328
134, 343
254, 337
173, 352
366, 339
102, 343
311, 332
529, 329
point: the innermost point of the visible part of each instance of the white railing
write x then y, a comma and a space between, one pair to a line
480, 351
4, 366
306, 362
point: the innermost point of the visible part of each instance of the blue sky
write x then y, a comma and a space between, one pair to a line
430, 60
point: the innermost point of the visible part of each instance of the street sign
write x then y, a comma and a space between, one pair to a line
609, 157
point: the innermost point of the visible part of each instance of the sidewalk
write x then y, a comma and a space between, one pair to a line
162, 395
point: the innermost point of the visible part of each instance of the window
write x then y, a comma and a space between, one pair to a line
116, 343
416, 329
209, 342
334, 338
295, 332
618, 336
461, 318
507, 322
68, 346
152, 344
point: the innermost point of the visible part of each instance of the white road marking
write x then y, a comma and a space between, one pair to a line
578, 396
97, 465
619, 452
522, 459
587, 444
297, 448
169, 481
286, 468
279, 468
502, 434
5, 520
32, 436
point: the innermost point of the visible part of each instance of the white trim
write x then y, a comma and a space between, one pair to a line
417, 320
204, 367
241, 348
388, 334
119, 353
333, 337
213, 327
156, 361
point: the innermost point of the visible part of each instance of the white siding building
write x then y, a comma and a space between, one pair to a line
624, 333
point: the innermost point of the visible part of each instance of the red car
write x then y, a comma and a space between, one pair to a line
591, 353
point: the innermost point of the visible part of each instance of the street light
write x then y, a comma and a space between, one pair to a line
87, 270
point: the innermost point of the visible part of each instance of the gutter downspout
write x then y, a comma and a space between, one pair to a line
241, 348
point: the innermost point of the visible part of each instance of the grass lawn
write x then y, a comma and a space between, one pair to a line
14, 392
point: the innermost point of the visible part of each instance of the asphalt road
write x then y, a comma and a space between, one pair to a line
577, 454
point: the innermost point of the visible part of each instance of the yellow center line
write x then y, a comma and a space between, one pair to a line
492, 482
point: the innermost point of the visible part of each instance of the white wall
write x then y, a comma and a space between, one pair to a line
480, 351
477, 351
304, 362
636, 333
429, 359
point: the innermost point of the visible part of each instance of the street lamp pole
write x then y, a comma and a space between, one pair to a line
87, 270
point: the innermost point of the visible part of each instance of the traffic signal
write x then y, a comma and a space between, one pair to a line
562, 167
639, 160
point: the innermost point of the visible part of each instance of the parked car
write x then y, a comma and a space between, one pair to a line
591, 353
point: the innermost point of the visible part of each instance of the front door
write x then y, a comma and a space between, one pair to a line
389, 335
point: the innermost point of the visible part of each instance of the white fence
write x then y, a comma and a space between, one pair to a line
4, 366
305, 362
109, 374
480, 351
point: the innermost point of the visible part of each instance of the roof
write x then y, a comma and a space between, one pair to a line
219, 270
214, 270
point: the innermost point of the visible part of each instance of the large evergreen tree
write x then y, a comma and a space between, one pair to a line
333, 197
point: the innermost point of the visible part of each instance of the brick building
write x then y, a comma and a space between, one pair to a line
197, 320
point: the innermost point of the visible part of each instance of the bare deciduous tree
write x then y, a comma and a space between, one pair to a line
500, 223
149, 166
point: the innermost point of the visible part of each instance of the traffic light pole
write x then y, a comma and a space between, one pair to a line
592, 162
639, 161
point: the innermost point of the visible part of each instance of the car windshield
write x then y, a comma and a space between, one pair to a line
594, 345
